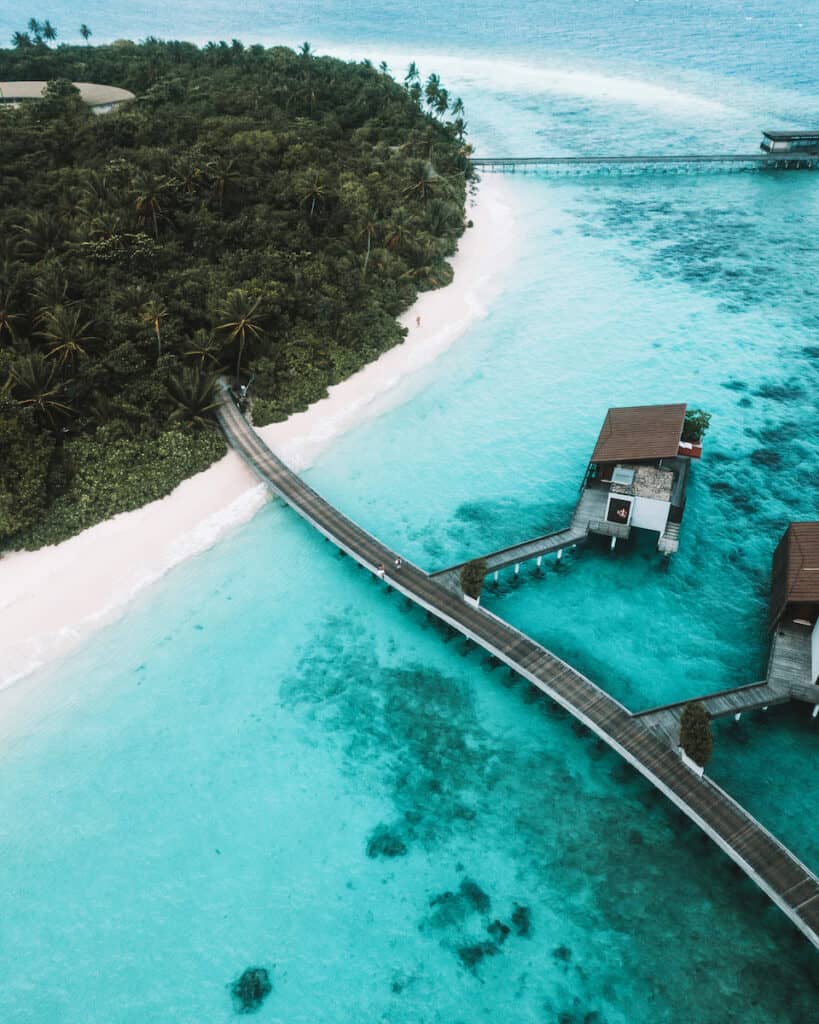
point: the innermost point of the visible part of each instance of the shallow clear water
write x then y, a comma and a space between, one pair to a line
198, 792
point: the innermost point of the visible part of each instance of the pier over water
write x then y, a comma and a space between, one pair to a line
788, 882
778, 151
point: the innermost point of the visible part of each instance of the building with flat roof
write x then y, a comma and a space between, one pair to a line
99, 97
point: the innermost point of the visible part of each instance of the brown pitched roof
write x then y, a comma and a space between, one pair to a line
640, 432
795, 575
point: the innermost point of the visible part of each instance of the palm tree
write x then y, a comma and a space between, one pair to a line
153, 313
368, 230
222, 172
49, 32
316, 193
242, 322
50, 290
34, 383
10, 322
384, 67
204, 347
65, 334
148, 200
431, 90
412, 75
194, 393
38, 235
441, 104
460, 127
85, 32
21, 40
457, 107
305, 50
35, 28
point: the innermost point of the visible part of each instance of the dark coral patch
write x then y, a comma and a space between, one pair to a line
471, 956
385, 843
499, 931
475, 895
522, 921
563, 953
765, 457
250, 990
779, 392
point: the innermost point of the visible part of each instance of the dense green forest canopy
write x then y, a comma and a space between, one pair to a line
260, 211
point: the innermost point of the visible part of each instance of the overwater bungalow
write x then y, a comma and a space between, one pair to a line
795, 586
641, 463
790, 142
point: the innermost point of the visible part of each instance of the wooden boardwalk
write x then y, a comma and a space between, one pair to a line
773, 161
788, 679
788, 882
588, 516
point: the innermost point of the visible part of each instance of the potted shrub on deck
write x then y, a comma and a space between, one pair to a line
472, 575
695, 426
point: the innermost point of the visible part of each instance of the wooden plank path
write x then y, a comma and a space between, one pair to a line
788, 882
589, 512
776, 161
788, 679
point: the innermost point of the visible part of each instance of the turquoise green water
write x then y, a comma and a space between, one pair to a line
197, 791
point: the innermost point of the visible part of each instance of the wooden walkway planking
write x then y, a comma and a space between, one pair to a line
788, 679
586, 518
788, 882
778, 161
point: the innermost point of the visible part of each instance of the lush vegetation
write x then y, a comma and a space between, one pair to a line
259, 212
472, 577
696, 737
695, 425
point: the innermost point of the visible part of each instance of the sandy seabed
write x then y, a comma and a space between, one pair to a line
51, 599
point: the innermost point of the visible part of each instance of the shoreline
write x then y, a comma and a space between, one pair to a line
52, 599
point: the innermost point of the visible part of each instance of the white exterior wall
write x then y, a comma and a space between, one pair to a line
650, 514
814, 652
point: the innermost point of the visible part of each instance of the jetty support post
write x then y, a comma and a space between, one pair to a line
559, 554
517, 569
613, 544
737, 716
539, 560
815, 711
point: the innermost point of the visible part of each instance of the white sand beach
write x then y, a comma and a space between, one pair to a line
51, 599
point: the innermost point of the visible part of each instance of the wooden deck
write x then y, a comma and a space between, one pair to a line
788, 882
788, 679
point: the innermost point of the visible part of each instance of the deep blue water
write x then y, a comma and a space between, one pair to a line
195, 791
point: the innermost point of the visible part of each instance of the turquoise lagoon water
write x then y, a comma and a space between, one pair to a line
197, 791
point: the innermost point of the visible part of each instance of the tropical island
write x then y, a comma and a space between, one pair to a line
257, 211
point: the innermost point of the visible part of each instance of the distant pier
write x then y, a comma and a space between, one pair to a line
779, 151
731, 161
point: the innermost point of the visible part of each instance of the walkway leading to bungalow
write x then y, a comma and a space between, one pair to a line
734, 161
788, 882
789, 666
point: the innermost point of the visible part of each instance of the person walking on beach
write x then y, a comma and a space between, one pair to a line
418, 321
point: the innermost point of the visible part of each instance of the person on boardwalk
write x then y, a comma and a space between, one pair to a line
398, 564
381, 571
